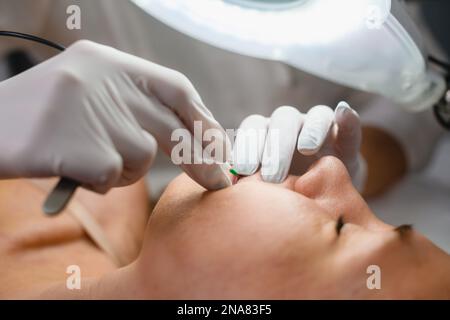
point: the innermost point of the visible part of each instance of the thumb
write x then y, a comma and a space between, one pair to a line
348, 143
349, 135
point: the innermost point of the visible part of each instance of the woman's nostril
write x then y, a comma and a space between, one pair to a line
325, 172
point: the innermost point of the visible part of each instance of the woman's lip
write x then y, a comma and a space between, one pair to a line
234, 179
242, 178
234, 176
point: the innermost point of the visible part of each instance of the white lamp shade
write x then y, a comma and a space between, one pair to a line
370, 45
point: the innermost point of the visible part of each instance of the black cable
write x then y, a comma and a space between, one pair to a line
442, 108
439, 63
441, 115
32, 38
437, 108
18, 61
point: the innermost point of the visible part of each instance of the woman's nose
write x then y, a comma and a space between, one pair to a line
329, 184
327, 175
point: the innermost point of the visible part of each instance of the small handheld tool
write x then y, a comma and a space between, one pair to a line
60, 196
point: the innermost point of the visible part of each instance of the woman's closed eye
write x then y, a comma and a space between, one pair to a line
339, 225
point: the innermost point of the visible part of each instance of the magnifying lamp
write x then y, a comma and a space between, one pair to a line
371, 45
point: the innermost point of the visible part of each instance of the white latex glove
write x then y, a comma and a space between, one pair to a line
96, 115
320, 132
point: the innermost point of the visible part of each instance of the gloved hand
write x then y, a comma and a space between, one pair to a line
96, 115
318, 133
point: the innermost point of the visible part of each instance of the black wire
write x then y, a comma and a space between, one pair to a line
432, 59
32, 38
440, 117
440, 63
441, 108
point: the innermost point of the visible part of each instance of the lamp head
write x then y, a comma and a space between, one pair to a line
267, 4
371, 45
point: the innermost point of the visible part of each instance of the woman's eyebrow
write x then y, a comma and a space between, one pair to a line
404, 230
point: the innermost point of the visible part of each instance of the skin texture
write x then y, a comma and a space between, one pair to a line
259, 240
253, 240
35, 250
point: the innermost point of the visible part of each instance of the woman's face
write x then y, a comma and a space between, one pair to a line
311, 237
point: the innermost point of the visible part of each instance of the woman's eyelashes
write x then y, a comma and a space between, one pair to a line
339, 225
404, 230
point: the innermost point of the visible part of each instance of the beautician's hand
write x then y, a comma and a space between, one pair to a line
320, 132
96, 115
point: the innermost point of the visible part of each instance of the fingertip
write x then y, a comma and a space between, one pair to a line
287, 111
308, 150
249, 145
275, 170
346, 117
100, 189
277, 178
222, 184
343, 104
343, 110
221, 179
315, 130
152, 146
209, 176
245, 169
150, 139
